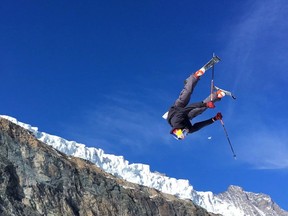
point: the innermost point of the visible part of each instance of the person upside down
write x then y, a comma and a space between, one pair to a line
181, 114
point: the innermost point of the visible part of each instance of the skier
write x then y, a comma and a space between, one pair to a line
180, 114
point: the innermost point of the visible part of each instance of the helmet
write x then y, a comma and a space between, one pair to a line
180, 134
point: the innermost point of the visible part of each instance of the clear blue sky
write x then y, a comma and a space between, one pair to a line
102, 73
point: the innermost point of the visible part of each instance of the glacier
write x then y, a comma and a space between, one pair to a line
136, 172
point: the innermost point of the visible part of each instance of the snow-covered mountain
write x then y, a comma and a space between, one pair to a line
234, 202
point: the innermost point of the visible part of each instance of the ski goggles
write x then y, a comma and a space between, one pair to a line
180, 134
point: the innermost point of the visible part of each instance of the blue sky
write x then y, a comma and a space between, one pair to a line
103, 72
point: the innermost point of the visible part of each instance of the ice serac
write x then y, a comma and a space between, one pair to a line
234, 202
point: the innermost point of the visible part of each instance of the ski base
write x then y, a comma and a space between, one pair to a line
215, 59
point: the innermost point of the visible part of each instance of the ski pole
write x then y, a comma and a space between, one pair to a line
226, 133
212, 80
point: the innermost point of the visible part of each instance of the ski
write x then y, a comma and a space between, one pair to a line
228, 93
215, 59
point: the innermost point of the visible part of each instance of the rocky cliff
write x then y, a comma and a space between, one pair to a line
36, 179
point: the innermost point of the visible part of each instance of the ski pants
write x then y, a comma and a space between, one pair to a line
185, 95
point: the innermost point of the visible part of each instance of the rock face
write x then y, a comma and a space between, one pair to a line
251, 203
36, 179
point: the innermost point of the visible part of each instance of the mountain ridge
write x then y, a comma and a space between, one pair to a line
36, 179
141, 174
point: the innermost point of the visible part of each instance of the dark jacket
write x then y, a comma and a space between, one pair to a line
178, 118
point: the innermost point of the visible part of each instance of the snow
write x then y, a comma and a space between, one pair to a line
136, 172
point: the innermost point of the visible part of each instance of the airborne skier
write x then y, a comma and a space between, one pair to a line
180, 114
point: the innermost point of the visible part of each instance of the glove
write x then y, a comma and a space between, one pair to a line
218, 116
210, 104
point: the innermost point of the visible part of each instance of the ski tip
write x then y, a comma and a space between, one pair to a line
218, 58
233, 97
235, 157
